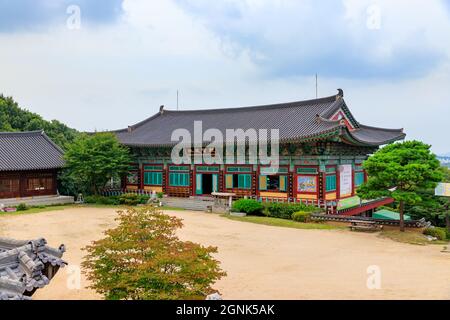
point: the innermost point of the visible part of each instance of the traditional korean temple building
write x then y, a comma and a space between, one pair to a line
29, 162
322, 148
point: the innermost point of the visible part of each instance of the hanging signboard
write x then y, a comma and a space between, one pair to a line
443, 190
346, 180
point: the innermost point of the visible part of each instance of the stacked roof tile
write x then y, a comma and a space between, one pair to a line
26, 266
296, 121
29, 151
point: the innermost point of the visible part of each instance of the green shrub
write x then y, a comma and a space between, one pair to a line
248, 206
160, 195
438, 233
286, 210
133, 199
22, 207
301, 216
113, 200
143, 259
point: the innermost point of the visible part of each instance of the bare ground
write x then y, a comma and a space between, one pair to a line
262, 262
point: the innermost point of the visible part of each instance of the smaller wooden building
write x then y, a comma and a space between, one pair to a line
29, 163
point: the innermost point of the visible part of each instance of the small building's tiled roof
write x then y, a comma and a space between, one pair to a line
296, 121
26, 266
29, 151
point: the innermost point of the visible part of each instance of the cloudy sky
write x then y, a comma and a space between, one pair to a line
106, 64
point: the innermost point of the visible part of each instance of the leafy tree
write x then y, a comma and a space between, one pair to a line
13, 118
94, 159
445, 174
71, 185
401, 171
142, 259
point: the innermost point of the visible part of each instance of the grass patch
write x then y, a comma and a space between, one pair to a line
409, 237
172, 208
39, 209
276, 222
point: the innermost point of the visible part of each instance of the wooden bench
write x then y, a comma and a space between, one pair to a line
364, 225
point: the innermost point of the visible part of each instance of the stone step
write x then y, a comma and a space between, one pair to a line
195, 204
38, 201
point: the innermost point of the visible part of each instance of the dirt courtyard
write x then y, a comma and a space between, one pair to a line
262, 262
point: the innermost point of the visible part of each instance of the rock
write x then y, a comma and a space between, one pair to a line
214, 296
238, 214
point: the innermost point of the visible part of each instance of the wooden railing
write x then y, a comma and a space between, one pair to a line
328, 206
422, 223
119, 192
365, 206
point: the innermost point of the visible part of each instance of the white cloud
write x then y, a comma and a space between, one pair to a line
111, 76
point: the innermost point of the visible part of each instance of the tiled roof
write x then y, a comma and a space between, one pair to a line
26, 266
29, 151
296, 121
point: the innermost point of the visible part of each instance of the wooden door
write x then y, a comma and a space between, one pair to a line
9, 187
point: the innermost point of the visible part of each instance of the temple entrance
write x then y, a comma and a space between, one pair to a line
205, 183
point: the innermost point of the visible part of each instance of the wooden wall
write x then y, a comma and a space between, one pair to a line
28, 183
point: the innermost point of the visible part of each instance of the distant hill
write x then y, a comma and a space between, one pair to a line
445, 160
13, 118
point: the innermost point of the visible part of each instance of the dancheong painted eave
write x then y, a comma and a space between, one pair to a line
301, 121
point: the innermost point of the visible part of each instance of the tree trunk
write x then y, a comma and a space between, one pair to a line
402, 216
447, 218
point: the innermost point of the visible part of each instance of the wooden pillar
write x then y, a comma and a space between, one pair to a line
141, 174
291, 185
164, 179
353, 181
338, 184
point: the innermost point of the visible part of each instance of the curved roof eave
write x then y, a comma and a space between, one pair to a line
349, 136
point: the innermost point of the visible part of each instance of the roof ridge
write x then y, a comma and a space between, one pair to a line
34, 132
332, 98
46, 137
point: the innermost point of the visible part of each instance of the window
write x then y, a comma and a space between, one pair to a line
153, 168
153, 174
207, 169
239, 169
272, 171
307, 170
39, 184
9, 185
179, 179
240, 181
359, 178
331, 183
153, 178
179, 168
273, 183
